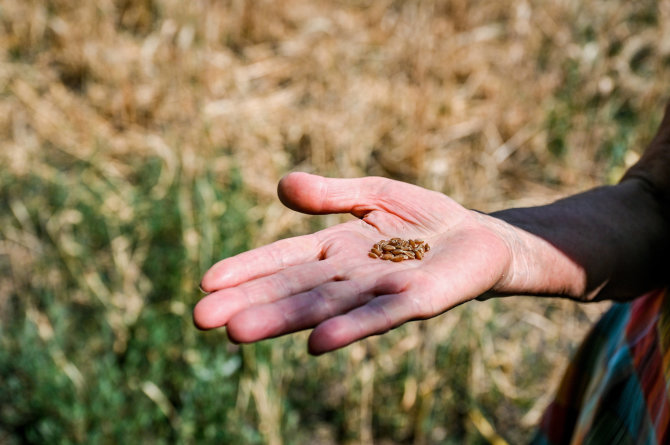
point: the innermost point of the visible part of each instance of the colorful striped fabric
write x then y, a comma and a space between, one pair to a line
615, 391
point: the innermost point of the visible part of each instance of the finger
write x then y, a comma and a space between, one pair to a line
216, 309
359, 196
298, 312
376, 317
403, 296
318, 195
261, 262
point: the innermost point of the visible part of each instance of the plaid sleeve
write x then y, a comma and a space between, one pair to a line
615, 389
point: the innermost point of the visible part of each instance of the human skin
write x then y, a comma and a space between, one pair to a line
609, 242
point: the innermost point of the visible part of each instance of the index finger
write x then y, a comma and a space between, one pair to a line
262, 261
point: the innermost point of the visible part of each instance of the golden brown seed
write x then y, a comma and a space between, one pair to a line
397, 249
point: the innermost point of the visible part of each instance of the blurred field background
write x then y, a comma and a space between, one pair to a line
141, 141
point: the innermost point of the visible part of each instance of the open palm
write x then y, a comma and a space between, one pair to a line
326, 280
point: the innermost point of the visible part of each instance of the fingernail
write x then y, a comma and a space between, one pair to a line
201, 289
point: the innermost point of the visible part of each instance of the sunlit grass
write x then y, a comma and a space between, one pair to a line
140, 142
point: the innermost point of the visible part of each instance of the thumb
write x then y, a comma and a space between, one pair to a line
318, 195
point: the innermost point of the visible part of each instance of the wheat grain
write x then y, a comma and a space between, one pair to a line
397, 250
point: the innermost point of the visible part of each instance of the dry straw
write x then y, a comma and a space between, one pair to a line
463, 97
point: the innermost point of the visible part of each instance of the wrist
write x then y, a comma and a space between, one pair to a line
606, 243
537, 267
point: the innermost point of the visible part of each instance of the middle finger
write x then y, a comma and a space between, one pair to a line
300, 311
217, 308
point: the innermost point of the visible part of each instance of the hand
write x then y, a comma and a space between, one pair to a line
326, 280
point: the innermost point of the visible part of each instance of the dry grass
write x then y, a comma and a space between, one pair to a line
121, 105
